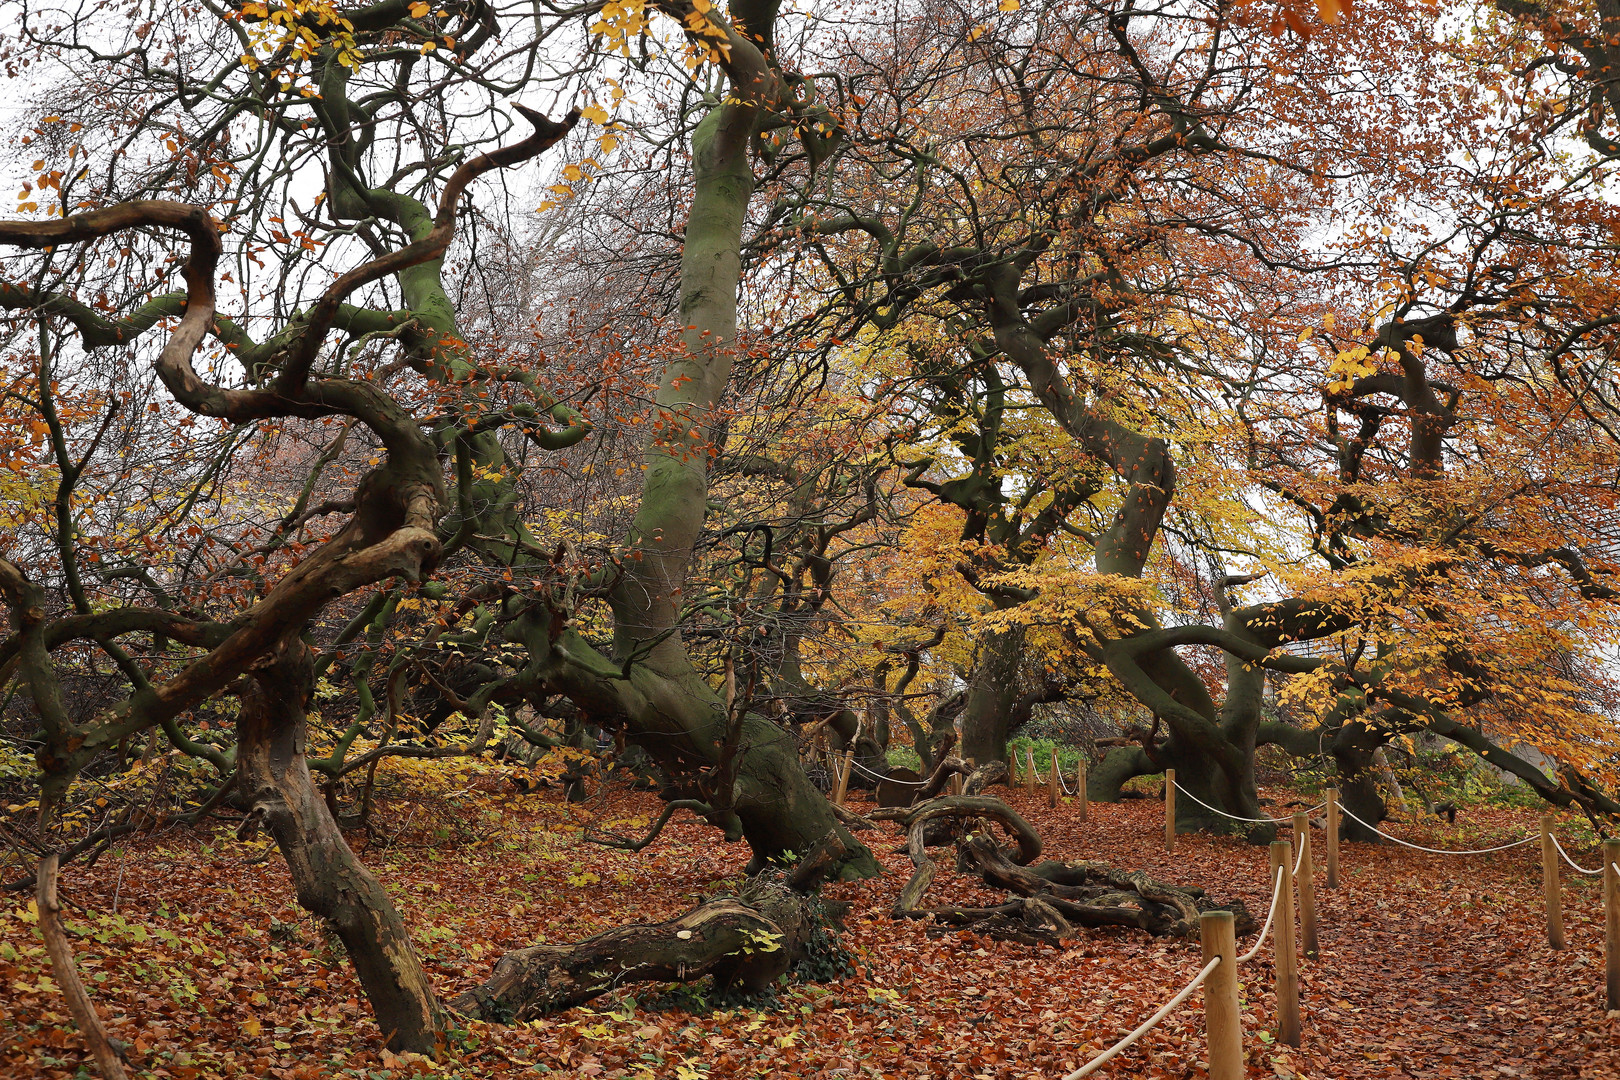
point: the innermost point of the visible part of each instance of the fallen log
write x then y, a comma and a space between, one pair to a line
1095, 894
745, 942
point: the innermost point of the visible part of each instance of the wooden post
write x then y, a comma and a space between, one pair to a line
1550, 888
1307, 884
1333, 838
1611, 922
1080, 790
1286, 946
1223, 1023
1054, 783
1029, 773
1169, 809
1012, 768
956, 778
843, 776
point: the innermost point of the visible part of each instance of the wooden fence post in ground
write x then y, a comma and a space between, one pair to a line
1080, 790
1029, 773
1012, 768
1611, 922
1550, 888
957, 780
1333, 838
1054, 783
1169, 809
1307, 884
1223, 1023
843, 776
1286, 945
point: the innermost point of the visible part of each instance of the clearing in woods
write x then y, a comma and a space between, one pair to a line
1431, 966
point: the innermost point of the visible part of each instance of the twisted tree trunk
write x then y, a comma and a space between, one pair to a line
330, 882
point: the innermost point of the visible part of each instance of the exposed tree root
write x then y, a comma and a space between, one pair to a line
1054, 898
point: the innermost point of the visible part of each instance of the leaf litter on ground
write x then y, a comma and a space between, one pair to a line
1432, 966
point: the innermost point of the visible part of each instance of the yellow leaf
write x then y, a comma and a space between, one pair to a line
419, 10
252, 1028
594, 113
1008, 5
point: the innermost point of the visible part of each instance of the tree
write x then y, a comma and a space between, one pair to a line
345, 94
1091, 208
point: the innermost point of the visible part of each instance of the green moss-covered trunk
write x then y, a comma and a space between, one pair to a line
774, 804
991, 696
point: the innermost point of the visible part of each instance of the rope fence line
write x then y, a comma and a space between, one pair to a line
1433, 851
1147, 1025
1573, 865
1236, 817
1276, 894
1223, 1021
1223, 1024
1186, 991
879, 776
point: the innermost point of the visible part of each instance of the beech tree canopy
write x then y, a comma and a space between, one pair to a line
411, 380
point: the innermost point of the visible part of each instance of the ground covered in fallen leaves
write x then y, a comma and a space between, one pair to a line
1431, 966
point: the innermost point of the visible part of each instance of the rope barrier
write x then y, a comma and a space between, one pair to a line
890, 779
1276, 894
1235, 817
1430, 850
1168, 1007
1147, 1025
1573, 865
1064, 784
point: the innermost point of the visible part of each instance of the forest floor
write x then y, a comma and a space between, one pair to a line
1431, 966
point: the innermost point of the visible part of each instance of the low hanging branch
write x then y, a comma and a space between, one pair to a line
1054, 898
697, 806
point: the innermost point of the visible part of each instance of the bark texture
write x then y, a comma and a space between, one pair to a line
329, 880
744, 943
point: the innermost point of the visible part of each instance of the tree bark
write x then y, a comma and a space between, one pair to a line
991, 693
60, 951
329, 880
741, 943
